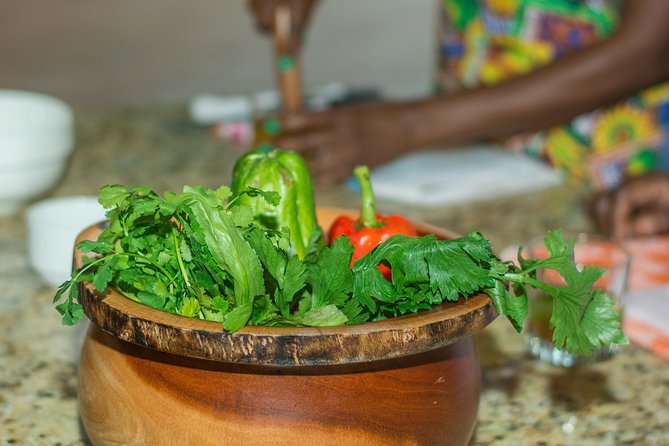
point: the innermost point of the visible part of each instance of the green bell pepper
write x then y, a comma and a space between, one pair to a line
287, 174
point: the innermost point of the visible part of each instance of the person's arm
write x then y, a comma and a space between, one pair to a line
634, 57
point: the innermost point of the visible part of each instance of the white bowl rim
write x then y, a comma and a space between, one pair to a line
50, 209
60, 113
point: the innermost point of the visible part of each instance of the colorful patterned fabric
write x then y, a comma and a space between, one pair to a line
485, 42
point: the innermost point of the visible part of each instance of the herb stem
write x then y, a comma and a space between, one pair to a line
71, 286
182, 267
88, 266
151, 262
522, 278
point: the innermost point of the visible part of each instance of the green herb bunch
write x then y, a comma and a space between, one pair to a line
196, 254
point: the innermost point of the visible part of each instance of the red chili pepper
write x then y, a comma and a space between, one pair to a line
370, 229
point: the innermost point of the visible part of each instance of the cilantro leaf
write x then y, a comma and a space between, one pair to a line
289, 273
223, 193
424, 270
112, 195
185, 251
62, 289
236, 319
330, 275
368, 282
272, 198
104, 274
325, 316
263, 312
583, 318
97, 246
242, 216
151, 299
72, 312
458, 267
292, 282
514, 305
190, 307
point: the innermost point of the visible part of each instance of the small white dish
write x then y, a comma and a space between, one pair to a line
53, 226
36, 140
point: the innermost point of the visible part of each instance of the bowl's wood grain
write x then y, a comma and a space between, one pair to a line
289, 346
133, 395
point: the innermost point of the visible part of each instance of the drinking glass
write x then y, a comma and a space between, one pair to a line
589, 249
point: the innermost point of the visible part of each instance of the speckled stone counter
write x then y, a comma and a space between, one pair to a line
623, 401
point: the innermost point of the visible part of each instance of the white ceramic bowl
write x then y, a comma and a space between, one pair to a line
53, 226
36, 140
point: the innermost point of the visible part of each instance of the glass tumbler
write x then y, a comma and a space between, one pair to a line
589, 249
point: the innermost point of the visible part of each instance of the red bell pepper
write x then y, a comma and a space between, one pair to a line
370, 229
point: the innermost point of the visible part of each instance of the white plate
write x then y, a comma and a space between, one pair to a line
433, 178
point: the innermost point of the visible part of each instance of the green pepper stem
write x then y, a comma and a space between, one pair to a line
367, 200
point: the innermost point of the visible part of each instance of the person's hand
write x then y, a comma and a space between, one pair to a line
638, 207
335, 141
264, 12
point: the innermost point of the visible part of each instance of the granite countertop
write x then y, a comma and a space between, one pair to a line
624, 400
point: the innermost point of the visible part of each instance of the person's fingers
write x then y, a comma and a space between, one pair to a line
302, 11
599, 209
592, 203
660, 189
299, 121
648, 190
621, 213
625, 201
636, 197
298, 23
263, 12
305, 132
305, 143
604, 210
650, 223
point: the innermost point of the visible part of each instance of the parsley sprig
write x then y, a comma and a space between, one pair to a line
193, 254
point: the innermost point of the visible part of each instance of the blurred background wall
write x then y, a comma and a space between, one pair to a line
101, 53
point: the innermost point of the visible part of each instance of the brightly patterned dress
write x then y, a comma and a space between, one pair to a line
485, 42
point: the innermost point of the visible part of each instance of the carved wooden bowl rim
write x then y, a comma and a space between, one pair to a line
286, 346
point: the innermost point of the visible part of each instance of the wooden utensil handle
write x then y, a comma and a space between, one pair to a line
289, 78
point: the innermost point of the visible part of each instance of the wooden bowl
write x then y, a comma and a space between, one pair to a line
148, 377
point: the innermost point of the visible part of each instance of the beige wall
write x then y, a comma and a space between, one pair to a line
117, 52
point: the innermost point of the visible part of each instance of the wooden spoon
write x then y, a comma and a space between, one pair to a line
289, 77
